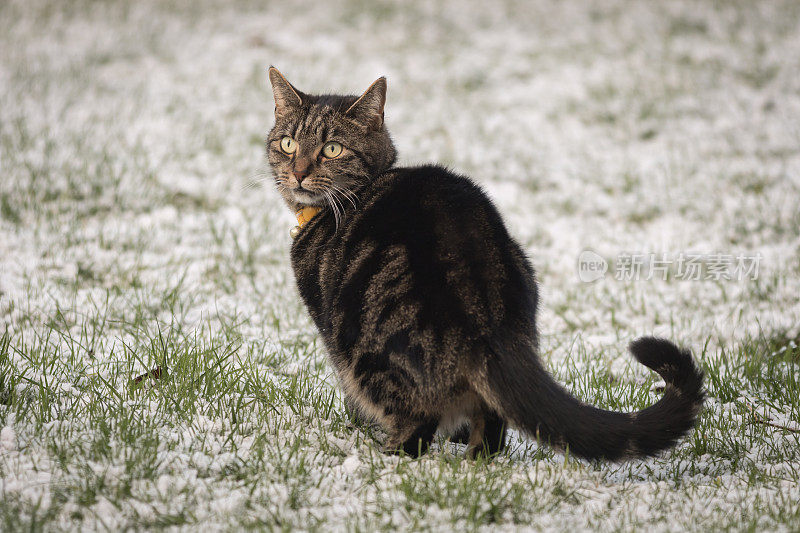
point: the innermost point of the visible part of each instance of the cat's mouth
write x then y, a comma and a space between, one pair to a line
302, 196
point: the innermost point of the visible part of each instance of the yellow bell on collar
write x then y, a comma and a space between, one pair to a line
304, 216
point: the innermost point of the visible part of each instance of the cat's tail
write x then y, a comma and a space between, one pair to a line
523, 392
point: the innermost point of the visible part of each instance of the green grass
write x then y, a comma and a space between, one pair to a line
104, 417
220, 410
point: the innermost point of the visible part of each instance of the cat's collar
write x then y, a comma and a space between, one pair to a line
304, 216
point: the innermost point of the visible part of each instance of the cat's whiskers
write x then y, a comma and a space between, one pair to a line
281, 182
332, 202
337, 191
335, 195
346, 193
339, 207
255, 179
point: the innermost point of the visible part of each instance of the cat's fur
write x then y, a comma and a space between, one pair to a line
427, 305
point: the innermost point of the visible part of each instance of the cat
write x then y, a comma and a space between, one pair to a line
427, 305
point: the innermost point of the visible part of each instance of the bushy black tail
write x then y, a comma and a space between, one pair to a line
523, 392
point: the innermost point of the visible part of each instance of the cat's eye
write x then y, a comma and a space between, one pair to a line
332, 149
288, 145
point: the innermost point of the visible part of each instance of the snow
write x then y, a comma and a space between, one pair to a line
132, 152
351, 464
8, 439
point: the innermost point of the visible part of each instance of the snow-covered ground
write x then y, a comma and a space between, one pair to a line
139, 229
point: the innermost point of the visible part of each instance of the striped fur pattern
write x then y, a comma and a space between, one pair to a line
427, 305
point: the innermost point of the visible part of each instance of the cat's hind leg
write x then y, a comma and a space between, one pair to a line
461, 435
494, 434
357, 416
488, 436
412, 437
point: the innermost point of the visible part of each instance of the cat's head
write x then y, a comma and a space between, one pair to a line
323, 148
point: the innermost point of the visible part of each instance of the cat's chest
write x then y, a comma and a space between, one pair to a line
313, 261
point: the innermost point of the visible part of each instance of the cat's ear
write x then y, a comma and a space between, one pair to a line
287, 98
368, 109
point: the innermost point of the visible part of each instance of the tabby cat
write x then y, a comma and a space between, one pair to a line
427, 305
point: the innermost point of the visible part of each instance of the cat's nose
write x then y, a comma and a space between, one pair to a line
301, 169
